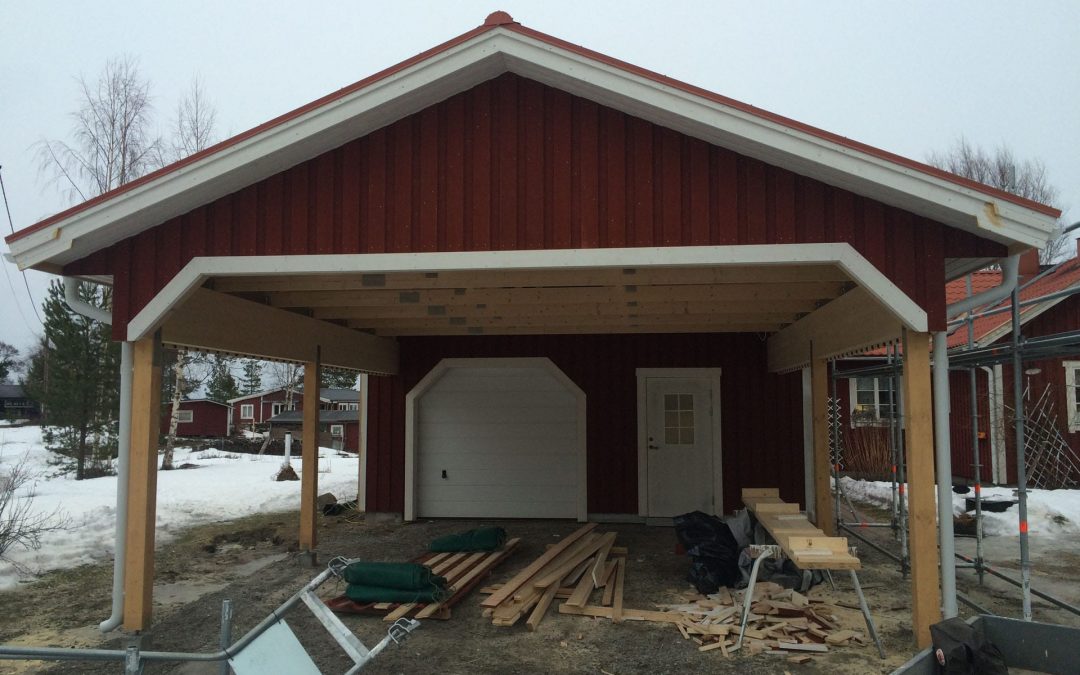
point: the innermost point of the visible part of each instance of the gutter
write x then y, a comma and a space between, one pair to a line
1010, 274
127, 354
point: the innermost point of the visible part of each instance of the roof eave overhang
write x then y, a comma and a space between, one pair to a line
487, 55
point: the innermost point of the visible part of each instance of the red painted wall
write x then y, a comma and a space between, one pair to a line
208, 420
263, 407
512, 164
761, 413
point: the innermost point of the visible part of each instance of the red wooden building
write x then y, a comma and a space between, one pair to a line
199, 418
577, 288
256, 409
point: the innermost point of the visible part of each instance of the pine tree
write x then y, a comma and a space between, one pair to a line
251, 377
338, 379
222, 385
75, 374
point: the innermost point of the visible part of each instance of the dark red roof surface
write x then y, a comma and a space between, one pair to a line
503, 20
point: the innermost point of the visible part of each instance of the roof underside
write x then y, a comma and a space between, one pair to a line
484, 54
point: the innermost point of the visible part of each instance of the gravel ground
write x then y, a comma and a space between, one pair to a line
250, 562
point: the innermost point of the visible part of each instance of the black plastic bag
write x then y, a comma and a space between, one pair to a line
714, 554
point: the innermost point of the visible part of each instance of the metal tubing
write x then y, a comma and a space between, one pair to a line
1021, 464
976, 466
866, 613
748, 598
978, 608
1039, 594
867, 524
226, 631
1010, 269
1026, 303
123, 454
883, 551
901, 492
943, 462
834, 461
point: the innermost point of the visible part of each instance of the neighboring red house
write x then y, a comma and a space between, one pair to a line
200, 417
256, 409
866, 401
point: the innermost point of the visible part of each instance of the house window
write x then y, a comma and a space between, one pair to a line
337, 429
277, 408
679, 419
1072, 383
872, 401
185, 416
247, 411
348, 406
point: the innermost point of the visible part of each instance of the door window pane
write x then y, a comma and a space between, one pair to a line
679, 419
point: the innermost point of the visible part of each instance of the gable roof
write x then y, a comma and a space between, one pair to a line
12, 391
989, 329
325, 394
204, 400
325, 416
502, 45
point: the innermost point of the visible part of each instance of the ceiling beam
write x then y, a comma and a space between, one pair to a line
530, 278
817, 290
853, 322
578, 330
221, 322
540, 321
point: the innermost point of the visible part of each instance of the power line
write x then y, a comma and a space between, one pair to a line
11, 226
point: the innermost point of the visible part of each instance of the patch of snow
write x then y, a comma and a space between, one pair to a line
224, 486
1050, 512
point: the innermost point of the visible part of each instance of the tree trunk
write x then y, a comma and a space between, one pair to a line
174, 416
80, 458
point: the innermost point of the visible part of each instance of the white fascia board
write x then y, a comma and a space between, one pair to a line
774, 143
861, 271
483, 58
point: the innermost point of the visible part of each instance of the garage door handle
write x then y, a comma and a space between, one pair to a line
653, 447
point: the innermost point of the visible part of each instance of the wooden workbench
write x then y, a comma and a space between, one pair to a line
805, 545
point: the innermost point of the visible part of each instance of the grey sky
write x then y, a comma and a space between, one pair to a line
909, 77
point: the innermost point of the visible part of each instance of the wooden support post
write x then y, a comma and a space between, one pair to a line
823, 497
922, 521
309, 452
142, 483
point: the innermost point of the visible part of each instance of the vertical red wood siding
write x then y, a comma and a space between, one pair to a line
761, 413
961, 424
207, 420
513, 164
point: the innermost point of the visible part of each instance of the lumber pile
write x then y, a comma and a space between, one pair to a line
464, 571
584, 575
584, 562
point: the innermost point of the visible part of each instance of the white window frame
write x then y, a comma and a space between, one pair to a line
337, 430
879, 386
349, 406
277, 407
1070, 394
247, 411
181, 414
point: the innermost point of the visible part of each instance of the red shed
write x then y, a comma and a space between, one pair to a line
577, 288
199, 417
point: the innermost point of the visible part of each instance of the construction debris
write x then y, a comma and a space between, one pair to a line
584, 566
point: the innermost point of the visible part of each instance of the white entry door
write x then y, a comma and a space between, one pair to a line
680, 452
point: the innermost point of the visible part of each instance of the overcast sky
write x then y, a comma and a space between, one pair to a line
909, 77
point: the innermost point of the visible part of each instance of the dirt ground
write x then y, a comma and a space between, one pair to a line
251, 562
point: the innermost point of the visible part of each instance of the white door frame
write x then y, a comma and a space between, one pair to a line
445, 365
643, 374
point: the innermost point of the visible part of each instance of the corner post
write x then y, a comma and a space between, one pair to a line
142, 483
309, 453
919, 432
823, 496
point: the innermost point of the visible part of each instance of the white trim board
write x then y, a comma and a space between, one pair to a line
483, 57
441, 368
843, 255
643, 374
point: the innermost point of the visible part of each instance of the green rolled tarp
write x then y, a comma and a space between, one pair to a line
365, 594
480, 539
399, 576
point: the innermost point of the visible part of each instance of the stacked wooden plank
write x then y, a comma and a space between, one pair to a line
572, 570
463, 573
806, 546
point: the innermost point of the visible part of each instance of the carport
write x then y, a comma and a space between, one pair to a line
508, 196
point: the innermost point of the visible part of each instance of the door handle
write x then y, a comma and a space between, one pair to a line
653, 447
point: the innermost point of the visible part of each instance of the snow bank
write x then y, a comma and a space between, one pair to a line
224, 486
1049, 511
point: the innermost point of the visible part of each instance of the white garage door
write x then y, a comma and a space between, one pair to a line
497, 442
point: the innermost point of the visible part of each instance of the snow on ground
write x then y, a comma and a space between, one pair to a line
1049, 511
224, 486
